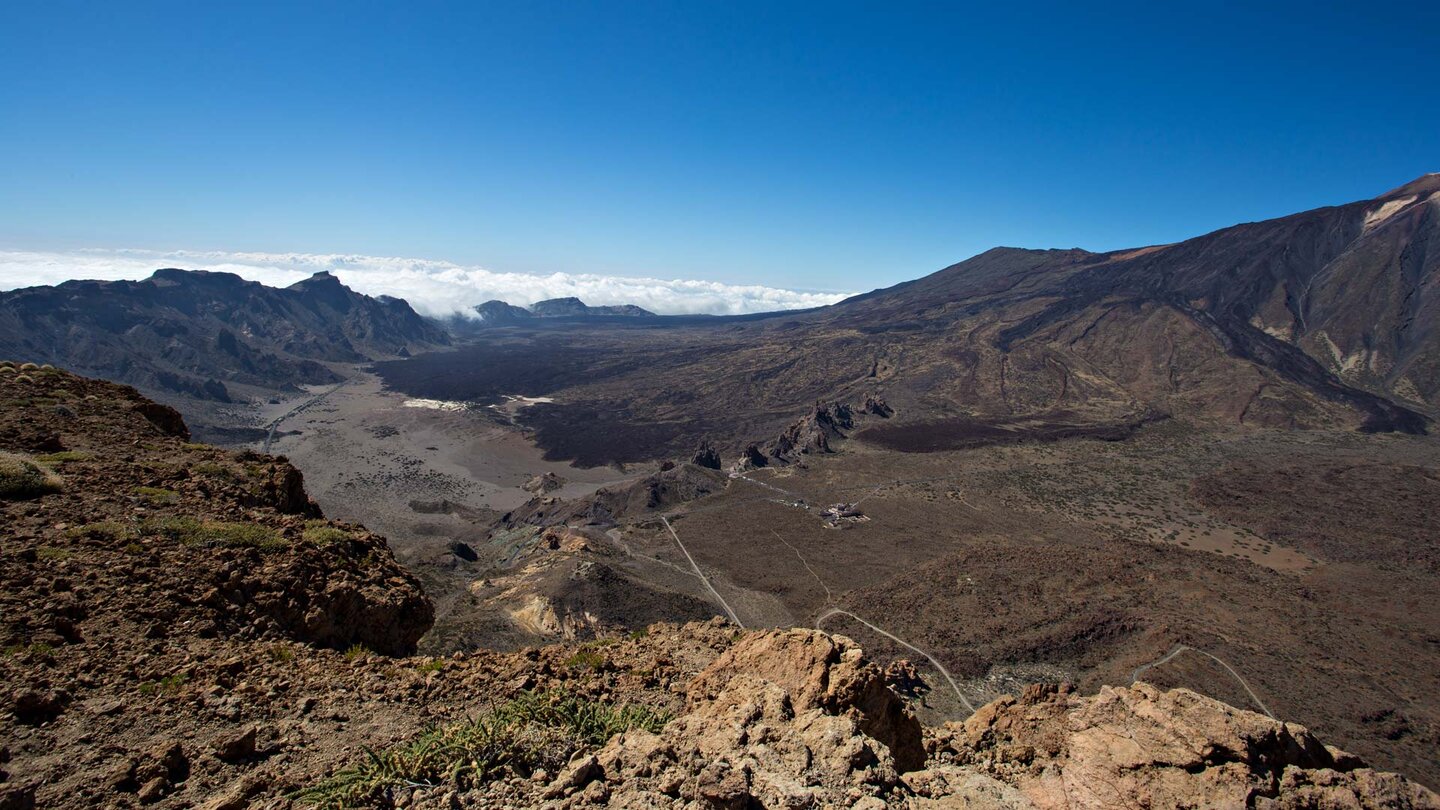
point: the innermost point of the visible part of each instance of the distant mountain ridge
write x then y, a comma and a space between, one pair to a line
498, 313
1324, 319
196, 333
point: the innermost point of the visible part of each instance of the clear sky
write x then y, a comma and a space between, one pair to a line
815, 146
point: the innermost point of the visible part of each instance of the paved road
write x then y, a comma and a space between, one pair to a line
718, 598
270, 436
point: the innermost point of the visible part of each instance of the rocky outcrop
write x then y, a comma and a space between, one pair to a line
543, 484
656, 492
811, 433
179, 540
822, 672
706, 456
877, 406
1145, 747
782, 719
280, 486
499, 313
800, 719
164, 417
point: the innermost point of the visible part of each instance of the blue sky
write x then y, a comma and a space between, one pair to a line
815, 146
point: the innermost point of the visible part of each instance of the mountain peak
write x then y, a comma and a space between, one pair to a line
1424, 184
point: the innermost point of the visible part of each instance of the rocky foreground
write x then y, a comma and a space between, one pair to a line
180, 627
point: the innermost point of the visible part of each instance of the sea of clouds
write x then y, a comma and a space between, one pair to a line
437, 288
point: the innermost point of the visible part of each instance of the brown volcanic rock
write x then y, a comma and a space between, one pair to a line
1141, 746
777, 721
225, 531
823, 672
781, 719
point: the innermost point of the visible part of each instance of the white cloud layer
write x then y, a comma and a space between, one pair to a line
436, 288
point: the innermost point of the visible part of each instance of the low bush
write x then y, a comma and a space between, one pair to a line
156, 495
169, 685
112, 530
191, 532
536, 730
65, 457
22, 478
320, 533
210, 469
586, 659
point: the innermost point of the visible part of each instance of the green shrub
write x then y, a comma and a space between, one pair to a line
211, 469
112, 530
29, 367
536, 730
241, 534
156, 495
195, 446
169, 685
7, 370
24, 378
35, 648
191, 532
65, 457
53, 553
588, 659
433, 665
21, 478
321, 533
176, 528
356, 652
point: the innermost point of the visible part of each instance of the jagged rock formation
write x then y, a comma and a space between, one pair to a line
706, 456
1145, 747
808, 435
799, 719
642, 497
499, 313
877, 406
191, 333
575, 308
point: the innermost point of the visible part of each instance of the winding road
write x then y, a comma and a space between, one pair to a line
874, 489
902, 642
1180, 648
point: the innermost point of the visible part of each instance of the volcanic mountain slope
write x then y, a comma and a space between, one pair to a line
1321, 319
193, 333
173, 617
